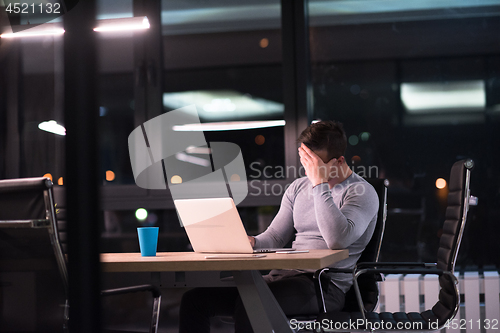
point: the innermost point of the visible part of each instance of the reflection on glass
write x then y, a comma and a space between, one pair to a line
415, 84
184, 17
225, 58
330, 12
227, 105
443, 96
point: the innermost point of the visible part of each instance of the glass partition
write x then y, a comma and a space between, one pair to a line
225, 58
416, 86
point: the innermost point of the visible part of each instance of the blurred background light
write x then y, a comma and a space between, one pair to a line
52, 126
260, 139
192, 159
441, 96
228, 126
123, 24
176, 179
440, 183
141, 214
110, 176
224, 105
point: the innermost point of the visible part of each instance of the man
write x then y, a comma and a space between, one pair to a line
331, 208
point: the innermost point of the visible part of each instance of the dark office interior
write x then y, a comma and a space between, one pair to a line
416, 85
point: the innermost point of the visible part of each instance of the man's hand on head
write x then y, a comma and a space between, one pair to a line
316, 170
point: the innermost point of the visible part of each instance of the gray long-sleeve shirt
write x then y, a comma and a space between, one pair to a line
324, 218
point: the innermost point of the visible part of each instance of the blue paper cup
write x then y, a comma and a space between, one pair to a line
148, 239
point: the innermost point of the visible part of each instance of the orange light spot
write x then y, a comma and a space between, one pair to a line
235, 178
110, 176
440, 183
60, 181
264, 42
356, 158
176, 179
48, 175
260, 139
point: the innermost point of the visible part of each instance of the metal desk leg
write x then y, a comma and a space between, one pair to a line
263, 310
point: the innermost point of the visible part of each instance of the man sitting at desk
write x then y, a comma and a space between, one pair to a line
331, 208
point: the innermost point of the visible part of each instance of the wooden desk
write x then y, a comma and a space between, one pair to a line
262, 308
192, 261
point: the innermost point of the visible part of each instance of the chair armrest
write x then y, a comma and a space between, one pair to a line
402, 268
332, 270
320, 297
153, 328
318, 284
394, 264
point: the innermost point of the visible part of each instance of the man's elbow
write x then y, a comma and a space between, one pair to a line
337, 244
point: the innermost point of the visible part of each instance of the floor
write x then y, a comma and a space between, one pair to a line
133, 311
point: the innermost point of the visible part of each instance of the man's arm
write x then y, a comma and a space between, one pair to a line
342, 227
281, 230
338, 227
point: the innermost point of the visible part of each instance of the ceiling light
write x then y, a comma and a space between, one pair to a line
52, 126
224, 105
444, 96
46, 29
220, 105
197, 150
192, 159
228, 126
122, 24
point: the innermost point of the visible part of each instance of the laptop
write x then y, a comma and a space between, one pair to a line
213, 225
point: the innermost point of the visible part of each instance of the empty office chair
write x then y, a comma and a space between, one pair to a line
33, 275
60, 209
449, 298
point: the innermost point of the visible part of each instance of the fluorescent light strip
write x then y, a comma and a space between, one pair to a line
52, 126
54, 29
123, 24
228, 126
197, 150
192, 159
454, 95
47, 29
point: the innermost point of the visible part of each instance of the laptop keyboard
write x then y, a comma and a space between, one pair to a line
271, 250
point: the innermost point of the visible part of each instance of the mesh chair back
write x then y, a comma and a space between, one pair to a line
368, 282
33, 281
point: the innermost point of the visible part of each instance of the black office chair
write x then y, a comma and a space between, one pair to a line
446, 308
60, 209
367, 282
33, 274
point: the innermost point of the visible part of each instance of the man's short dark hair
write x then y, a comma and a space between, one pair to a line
326, 135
